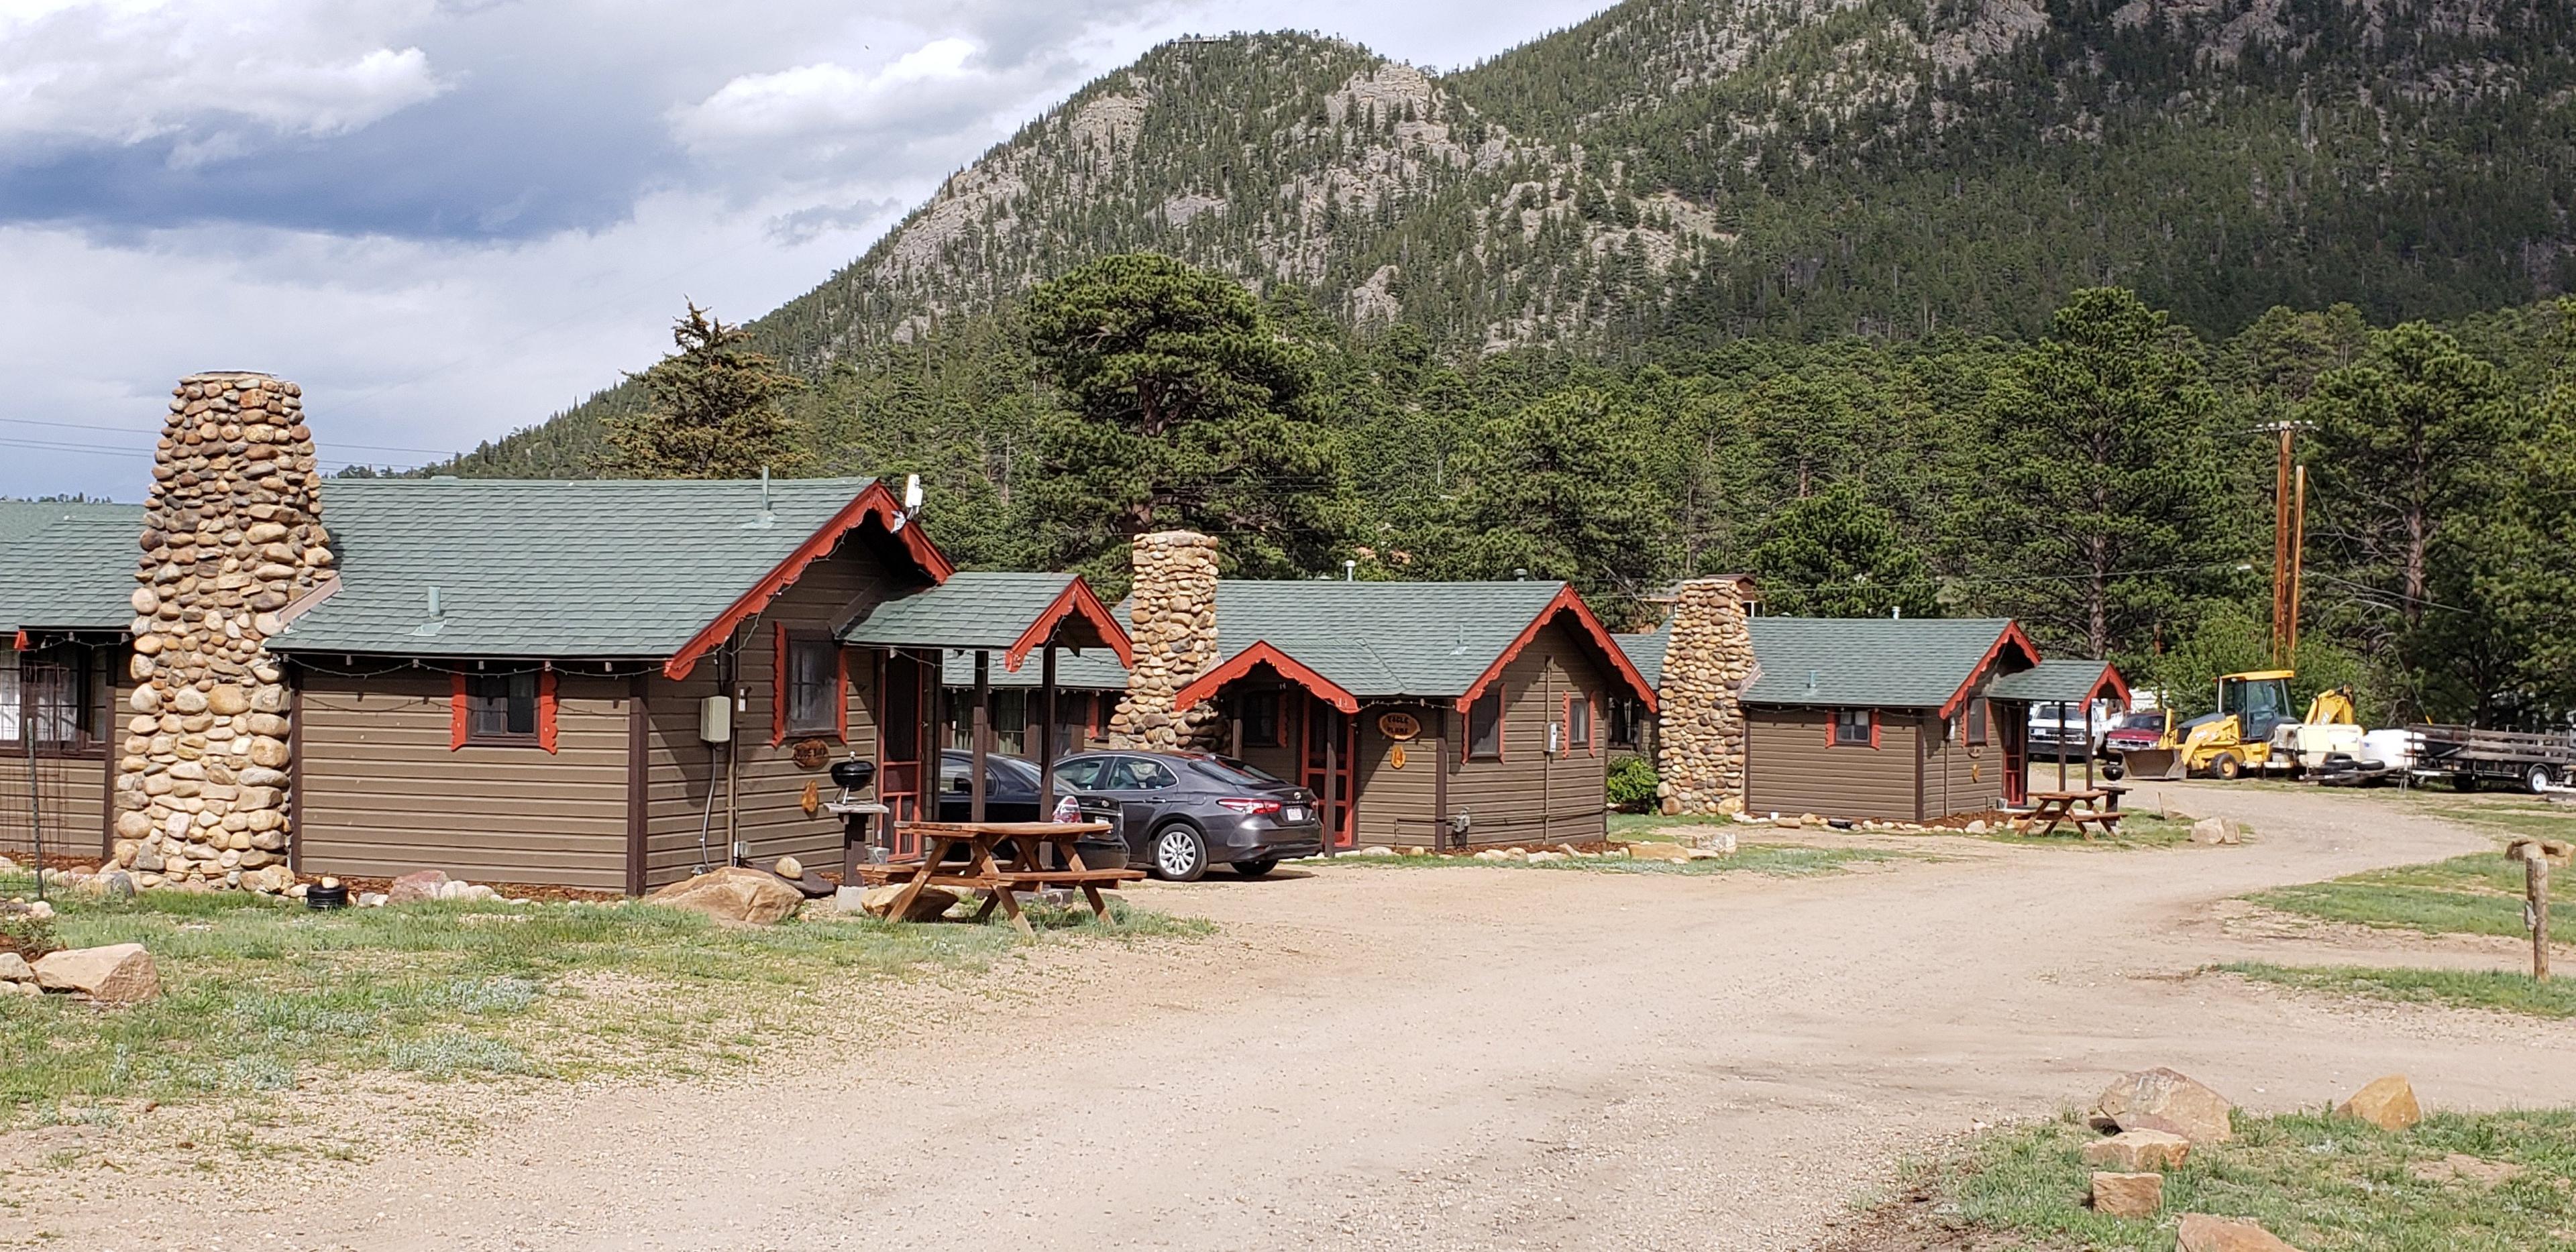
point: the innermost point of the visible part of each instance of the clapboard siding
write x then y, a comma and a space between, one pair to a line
1791, 768
383, 792
767, 811
1398, 807
1529, 796
1958, 778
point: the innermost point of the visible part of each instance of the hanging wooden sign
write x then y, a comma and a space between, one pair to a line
1399, 726
1395, 759
812, 800
811, 753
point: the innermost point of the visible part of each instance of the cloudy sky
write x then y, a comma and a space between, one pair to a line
450, 218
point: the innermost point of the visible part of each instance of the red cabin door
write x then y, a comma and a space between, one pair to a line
899, 768
2014, 733
1332, 739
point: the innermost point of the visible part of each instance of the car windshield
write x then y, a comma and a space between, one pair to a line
2149, 720
1228, 769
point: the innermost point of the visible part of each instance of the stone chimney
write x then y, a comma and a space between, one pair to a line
232, 533
1172, 622
1700, 738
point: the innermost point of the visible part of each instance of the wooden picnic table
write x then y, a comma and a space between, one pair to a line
985, 872
2056, 807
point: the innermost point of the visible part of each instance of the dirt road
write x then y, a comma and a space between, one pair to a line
1387, 1057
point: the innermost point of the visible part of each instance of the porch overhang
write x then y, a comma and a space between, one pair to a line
1260, 654
2062, 682
1012, 614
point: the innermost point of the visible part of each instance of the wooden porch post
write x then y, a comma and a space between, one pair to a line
2061, 745
1046, 731
1439, 778
980, 734
1332, 780
2088, 743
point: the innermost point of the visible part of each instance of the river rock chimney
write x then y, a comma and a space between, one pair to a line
1708, 659
1172, 619
232, 533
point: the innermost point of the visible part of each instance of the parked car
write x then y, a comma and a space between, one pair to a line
2069, 739
2137, 731
1011, 795
1183, 811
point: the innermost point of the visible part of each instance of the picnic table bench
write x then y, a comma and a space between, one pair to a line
2057, 808
985, 872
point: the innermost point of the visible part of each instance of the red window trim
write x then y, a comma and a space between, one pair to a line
1502, 725
460, 716
1833, 727
1591, 744
841, 694
777, 684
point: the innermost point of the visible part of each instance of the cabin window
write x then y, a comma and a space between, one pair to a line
1259, 714
1977, 722
813, 685
58, 692
501, 708
1627, 718
1855, 728
1072, 718
1578, 724
1485, 724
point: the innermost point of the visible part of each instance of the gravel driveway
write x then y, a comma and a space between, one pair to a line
1473, 1057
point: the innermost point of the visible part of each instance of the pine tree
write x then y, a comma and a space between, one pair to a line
1836, 555
713, 410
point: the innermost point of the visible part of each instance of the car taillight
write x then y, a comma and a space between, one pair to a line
1068, 810
1251, 808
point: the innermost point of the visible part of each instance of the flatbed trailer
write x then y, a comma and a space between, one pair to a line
2468, 755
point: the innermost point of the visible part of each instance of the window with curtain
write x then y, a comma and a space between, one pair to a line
1485, 724
813, 686
500, 708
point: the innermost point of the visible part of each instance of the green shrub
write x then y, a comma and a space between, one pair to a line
1632, 785
26, 934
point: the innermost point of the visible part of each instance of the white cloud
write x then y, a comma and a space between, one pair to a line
125, 71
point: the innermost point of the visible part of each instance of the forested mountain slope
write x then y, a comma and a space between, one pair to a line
1676, 173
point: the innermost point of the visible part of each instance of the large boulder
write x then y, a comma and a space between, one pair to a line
2388, 1103
2161, 1099
2138, 1151
1658, 851
2213, 831
734, 894
2201, 1232
416, 886
2128, 1195
929, 906
120, 973
14, 968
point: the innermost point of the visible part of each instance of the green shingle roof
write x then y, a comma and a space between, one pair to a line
1646, 652
1092, 669
68, 567
2072, 680
973, 609
603, 568
1856, 662
1867, 662
1380, 640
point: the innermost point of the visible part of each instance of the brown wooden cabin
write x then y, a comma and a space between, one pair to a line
1436, 715
65, 572
507, 679
1877, 718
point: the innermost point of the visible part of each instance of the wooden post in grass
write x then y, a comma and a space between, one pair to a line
2535, 855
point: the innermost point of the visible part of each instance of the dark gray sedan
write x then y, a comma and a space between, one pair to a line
1182, 811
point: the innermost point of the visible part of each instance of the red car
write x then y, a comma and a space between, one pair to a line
2134, 732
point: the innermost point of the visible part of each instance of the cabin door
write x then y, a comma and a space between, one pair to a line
1332, 739
2014, 734
900, 775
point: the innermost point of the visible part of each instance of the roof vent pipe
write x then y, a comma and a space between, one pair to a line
1811, 682
1350, 571
764, 490
433, 601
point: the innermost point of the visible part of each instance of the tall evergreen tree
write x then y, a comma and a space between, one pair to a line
1836, 555
1560, 489
1183, 408
712, 410
2088, 522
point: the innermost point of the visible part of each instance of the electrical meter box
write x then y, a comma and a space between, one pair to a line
715, 719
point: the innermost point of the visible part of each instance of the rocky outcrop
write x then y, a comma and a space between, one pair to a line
1700, 735
232, 534
1172, 619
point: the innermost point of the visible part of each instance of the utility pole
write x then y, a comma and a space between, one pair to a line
2289, 541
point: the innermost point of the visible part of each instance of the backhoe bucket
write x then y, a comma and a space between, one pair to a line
2153, 763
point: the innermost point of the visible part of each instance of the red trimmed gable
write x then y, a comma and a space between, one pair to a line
1567, 601
1077, 600
875, 505
2012, 637
1241, 664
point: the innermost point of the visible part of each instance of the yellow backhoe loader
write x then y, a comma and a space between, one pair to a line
2251, 730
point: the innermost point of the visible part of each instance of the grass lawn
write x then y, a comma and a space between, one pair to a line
2497, 814
2322, 1184
2500, 990
2138, 830
261, 996
2477, 894
1779, 860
